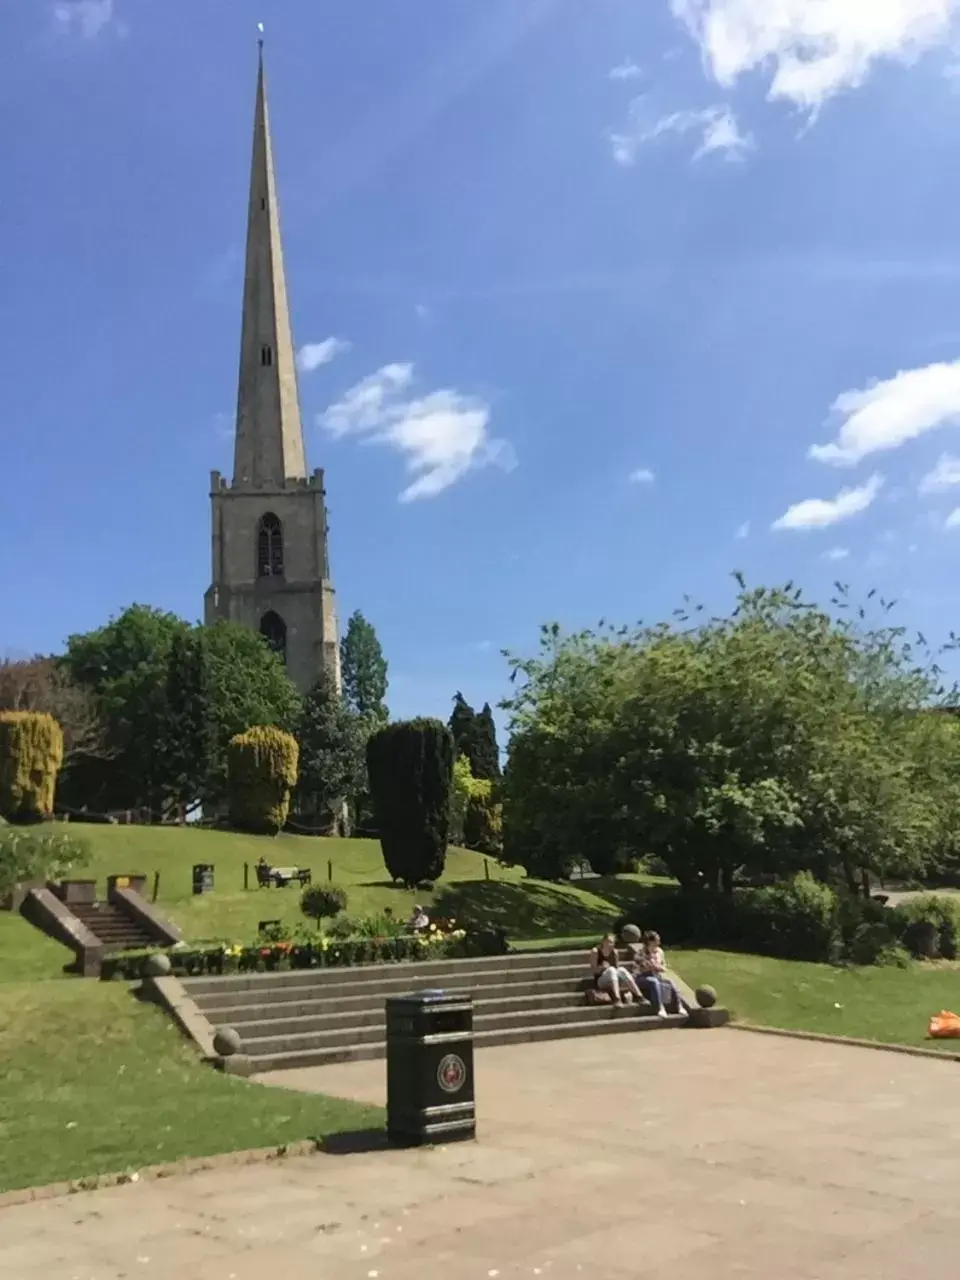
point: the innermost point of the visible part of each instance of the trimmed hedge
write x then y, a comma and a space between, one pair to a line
801, 919
410, 768
31, 753
261, 773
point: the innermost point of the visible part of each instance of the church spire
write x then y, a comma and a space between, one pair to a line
269, 446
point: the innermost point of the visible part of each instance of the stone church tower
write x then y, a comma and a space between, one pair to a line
271, 569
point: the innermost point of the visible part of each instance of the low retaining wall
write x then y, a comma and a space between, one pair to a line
44, 909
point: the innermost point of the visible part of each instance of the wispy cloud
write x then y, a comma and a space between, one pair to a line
836, 553
86, 18
953, 519
627, 70
717, 127
642, 475
945, 475
442, 435
743, 532
887, 414
820, 513
313, 355
813, 49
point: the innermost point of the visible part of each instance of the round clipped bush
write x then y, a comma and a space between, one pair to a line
261, 772
323, 901
706, 997
31, 753
630, 934
226, 1042
157, 966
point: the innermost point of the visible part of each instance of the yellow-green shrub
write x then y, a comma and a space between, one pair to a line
31, 753
483, 820
261, 772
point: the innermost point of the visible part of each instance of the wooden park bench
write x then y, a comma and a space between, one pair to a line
280, 877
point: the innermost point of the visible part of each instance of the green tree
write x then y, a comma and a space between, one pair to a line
363, 670
332, 753
191, 749
486, 762
124, 666
170, 697
778, 739
248, 685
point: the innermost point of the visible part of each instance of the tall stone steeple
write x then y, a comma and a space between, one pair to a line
271, 567
269, 444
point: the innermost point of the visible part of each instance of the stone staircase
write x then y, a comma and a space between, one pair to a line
115, 930
318, 1016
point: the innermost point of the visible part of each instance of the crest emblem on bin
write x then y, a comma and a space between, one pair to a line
451, 1073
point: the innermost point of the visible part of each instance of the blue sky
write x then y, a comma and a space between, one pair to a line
644, 291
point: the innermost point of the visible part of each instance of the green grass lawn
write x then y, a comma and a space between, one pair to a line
95, 1082
891, 1006
474, 890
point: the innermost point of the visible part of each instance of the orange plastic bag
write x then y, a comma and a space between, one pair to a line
944, 1026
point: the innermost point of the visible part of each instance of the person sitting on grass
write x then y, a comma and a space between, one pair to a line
651, 966
419, 921
609, 975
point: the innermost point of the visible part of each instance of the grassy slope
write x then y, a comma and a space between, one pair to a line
94, 1082
891, 1006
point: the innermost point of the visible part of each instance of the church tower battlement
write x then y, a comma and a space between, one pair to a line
271, 566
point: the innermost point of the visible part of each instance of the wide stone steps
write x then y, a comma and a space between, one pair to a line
316, 1016
306, 1002
587, 1026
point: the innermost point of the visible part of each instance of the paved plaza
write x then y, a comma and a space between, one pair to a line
676, 1155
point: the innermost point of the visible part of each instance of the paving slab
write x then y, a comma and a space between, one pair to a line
683, 1154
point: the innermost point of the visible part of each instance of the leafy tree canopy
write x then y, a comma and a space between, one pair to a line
780, 738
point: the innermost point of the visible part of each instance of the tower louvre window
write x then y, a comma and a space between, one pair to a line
270, 547
266, 356
274, 631
263, 203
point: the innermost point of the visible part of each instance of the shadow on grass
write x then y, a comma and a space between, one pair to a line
528, 909
354, 1143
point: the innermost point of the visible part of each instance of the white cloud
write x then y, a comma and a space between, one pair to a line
422, 311
442, 435
945, 475
627, 70
836, 553
83, 17
953, 519
812, 49
717, 126
820, 513
743, 531
887, 414
643, 475
312, 355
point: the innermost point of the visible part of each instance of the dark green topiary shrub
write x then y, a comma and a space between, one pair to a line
410, 767
323, 901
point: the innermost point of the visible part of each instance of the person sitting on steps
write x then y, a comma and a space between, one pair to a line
609, 974
419, 921
651, 966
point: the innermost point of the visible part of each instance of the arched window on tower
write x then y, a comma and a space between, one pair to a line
270, 547
274, 631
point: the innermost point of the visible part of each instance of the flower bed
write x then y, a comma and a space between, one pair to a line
303, 951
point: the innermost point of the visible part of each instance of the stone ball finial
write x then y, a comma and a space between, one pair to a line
706, 997
157, 966
630, 934
226, 1042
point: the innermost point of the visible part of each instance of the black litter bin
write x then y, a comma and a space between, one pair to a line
430, 1093
203, 878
